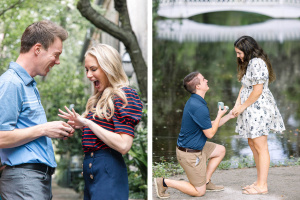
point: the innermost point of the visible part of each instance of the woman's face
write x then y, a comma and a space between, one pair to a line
95, 73
239, 54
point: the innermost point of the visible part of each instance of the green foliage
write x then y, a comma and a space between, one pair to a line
224, 165
166, 169
137, 161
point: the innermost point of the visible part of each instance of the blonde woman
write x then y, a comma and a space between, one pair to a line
108, 124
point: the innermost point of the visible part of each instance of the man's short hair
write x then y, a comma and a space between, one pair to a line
190, 82
43, 32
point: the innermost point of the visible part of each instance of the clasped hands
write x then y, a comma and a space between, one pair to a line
237, 110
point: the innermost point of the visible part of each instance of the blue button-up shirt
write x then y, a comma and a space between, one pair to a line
20, 107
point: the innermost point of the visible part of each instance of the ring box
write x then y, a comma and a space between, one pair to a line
222, 106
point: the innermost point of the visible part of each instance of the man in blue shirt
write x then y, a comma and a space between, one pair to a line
25, 146
193, 150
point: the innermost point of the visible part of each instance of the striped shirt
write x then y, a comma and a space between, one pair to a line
123, 121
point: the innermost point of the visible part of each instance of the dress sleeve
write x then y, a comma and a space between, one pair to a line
125, 119
257, 72
10, 106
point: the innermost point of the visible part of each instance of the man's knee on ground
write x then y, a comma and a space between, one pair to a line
200, 191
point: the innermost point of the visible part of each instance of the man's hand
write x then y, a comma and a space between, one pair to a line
221, 112
57, 129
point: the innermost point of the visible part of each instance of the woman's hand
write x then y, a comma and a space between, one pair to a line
75, 120
237, 110
231, 115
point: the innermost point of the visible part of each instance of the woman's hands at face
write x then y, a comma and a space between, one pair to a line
75, 120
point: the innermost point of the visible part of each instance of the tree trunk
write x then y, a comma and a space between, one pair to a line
124, 33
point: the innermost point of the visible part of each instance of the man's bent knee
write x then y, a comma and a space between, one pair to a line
221, 150
200, 191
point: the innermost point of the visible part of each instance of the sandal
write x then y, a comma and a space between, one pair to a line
249, 186
254, 190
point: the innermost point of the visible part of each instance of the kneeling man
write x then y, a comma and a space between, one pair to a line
193, 150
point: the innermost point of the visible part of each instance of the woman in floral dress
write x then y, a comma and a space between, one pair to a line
256, 107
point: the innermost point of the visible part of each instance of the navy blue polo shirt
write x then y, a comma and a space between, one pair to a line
195, 119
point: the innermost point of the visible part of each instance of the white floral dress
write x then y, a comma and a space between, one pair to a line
263, 115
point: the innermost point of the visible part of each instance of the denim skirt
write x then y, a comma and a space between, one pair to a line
105, 176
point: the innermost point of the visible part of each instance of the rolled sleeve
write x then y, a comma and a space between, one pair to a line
10, 105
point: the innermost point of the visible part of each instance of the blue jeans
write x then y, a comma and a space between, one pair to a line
105, 176
25, 184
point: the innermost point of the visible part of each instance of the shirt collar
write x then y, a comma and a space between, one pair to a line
198, 97
22, 73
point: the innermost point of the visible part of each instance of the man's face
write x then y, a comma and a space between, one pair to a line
203, 83
49, 58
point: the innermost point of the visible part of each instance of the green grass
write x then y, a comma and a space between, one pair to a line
168, 169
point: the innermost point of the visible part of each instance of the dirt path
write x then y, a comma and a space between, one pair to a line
284, 184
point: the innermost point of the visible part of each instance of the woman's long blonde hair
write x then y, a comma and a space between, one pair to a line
110, 62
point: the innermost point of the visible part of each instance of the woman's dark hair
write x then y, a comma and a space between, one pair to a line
251, 49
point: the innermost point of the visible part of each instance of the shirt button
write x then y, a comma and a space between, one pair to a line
92, 154
91, 176
90, 165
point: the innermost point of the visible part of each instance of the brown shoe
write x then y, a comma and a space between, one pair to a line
210, 187
160, 189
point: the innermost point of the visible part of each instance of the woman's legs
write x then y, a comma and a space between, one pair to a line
255, 155
261, 147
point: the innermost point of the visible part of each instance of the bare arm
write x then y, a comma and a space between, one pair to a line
18, 137
119, 142
255, 94
238, 100
209, 133
226, 118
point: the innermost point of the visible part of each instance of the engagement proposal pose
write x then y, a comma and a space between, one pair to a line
255, 107
108, 125
193, 150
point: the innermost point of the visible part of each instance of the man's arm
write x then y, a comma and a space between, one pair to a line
209, 133
225, 118
18, 137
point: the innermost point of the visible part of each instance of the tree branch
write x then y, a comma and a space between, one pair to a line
86, 10
124, 33
10, 7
